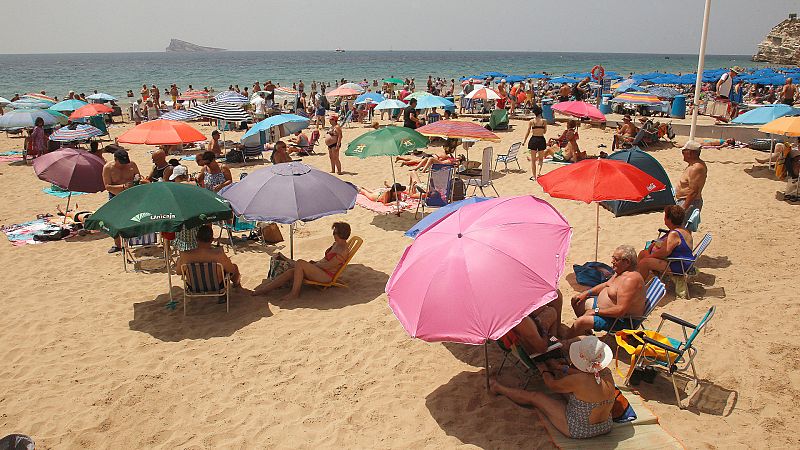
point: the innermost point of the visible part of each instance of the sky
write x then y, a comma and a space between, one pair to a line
626, 26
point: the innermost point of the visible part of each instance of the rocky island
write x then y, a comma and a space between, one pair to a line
782, 44
177, 45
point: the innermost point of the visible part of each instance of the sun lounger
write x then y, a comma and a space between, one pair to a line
202, 280
353, 244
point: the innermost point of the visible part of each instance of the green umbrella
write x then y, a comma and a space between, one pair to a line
158, 207
392, 81
388, 141
60, 118
417, 94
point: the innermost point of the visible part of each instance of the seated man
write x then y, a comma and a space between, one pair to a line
621, 295
625, 134
206, 253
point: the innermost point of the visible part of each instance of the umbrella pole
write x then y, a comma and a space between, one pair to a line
167, 254
394, 181
67, 210
597, 232
771, 149
486, 361
291, 240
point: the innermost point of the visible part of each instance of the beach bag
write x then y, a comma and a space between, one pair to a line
271, 233
631, 341
17, 442
458, 189
622, 411
234, 156
277, 266
592, 273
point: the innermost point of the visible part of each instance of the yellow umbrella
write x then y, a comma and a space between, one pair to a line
785, 126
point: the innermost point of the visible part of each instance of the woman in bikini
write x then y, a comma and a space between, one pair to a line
677, 243
587, 383
386, 195
322, 271
537, 127
333, 139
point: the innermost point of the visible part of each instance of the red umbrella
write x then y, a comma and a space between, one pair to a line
71, 169
580, 110
596, 180
161, 132
92, 109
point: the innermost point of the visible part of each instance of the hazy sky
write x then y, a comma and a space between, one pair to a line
638, 26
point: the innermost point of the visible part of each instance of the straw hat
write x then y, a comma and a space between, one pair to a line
590, 355
737, 69
692, 145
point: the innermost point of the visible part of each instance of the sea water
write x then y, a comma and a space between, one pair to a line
115, 73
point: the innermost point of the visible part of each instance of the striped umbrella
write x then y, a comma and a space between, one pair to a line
458, 129
285, 91
31, 103
221, 111
194, 95
231, 97
180, 114
79, 133
68, 105
637, 98
484, 94
39, 97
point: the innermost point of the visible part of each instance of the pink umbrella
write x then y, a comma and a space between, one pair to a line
580, 110
478, 272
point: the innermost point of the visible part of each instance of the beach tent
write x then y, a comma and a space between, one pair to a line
646, 163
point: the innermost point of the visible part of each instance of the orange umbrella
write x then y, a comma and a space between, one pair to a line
92, 109
161, 132
784, 126
458, 129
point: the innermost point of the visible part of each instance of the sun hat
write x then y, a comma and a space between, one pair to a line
737, 69
590, 355
692, 145
178, 171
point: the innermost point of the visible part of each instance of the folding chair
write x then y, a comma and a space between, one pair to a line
678, 352
526, 364
353, 244
652, 297
485, 179
511, 156
239, 225
253, 152
130, 245
203, 280
436, 193
347, 119
687, 271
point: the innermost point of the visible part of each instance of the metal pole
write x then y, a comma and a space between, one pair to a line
597, 232
701, 60
394, 181
486, 359
291, 240
67, 210
167, 254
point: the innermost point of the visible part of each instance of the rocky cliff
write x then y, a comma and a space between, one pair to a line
782, 44
177, 45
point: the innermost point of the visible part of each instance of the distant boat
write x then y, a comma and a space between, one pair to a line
339, 50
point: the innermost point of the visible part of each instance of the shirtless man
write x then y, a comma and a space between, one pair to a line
215, 146
118, 175
564, 93
689, 192
626, 132
622, 295
205, 252
161, 168
788, 92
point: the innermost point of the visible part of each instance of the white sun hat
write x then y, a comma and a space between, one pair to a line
590, 355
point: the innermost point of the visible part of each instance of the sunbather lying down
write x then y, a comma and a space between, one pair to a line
389, 193
76, 216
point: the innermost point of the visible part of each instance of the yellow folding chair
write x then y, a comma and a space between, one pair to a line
352, 247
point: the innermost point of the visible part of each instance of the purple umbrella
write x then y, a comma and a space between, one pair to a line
286, 193
71, 169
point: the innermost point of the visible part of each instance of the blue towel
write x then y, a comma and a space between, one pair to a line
11, 153
592, 273
188, 158
59, 193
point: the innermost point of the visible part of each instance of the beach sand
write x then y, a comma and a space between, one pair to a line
92, 359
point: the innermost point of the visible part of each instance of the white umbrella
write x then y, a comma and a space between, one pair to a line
4, 101
390, 103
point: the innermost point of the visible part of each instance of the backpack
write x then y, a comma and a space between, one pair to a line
234, 156
458, 190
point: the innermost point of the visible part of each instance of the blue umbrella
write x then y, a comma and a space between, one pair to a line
440, 214
559, 80
68, 105
688, 78
30, 103
766, 114
391, 103
102, 97
537, 76
369, 97
492, 74
515, 78
25, 118
290, 192
433, 101
291, 123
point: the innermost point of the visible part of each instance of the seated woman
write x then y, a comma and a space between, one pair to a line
280, 154
588, 385
677, 243
565, 148
322, 271
387, 194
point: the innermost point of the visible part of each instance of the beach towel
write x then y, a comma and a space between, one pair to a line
58, 192
188, 158
644, 432
11, 153
22, 233
10, 159
592, 273
378, 207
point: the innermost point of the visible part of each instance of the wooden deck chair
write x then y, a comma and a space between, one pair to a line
688, 271
203, 280
653, 295
485, 179
353, 244
510, 156
130, 245
679, 352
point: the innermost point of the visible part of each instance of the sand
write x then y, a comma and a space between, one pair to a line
92, 359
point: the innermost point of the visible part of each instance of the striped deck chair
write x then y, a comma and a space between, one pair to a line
511, 156
130, 245
652, 297
203, 280
353, 244
688, 271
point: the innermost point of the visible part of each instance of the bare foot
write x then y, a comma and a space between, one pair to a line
289, 297
494, 386
259, 292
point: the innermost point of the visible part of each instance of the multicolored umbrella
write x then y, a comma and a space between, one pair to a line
290, 192
71, 169
289, 123
484, 93
79, 133
39, 97
597, 180
458, 130
161, 132
92, 109
472, 276
637, 98
194, 95
580, 110
68, 105
31, 103
25, 118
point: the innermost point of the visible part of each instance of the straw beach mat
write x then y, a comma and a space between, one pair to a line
644, 432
